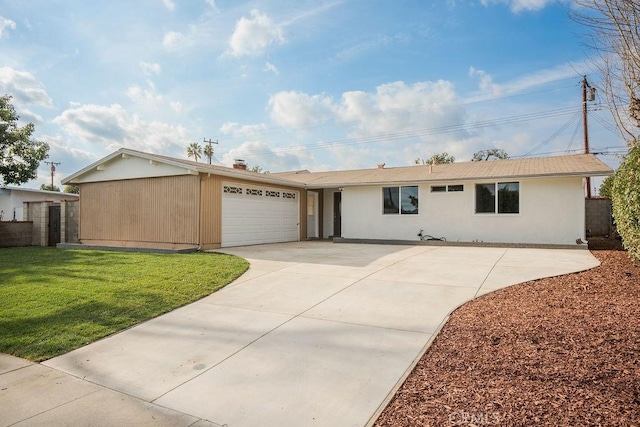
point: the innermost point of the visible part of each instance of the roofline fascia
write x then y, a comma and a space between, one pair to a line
312, 186
230, 173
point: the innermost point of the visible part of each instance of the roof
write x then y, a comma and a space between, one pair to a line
190, 167
581, 165
35, 190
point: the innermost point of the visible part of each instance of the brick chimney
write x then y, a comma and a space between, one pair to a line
240, 164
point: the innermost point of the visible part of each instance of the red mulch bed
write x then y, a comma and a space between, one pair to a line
562, 351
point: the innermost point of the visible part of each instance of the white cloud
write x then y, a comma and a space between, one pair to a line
517, 6
485, 81
6, 25
272, 68
297, 110
139, 94
257, 153
212, 4
114, 127
150, 68
169, 4
242, 131
24, 87
177, 106
416, 119
393, 108
253, 35
173, 39
29, 116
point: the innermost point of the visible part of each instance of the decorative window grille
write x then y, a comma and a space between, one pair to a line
270, 193
229, 189
254, 192
288, 195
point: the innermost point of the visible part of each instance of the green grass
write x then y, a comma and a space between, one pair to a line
53, 301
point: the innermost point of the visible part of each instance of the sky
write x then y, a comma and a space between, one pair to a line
311, 84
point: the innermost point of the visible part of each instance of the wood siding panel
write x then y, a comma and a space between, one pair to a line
211, 211
163, 210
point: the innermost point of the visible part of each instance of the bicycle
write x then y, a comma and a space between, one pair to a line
430, 237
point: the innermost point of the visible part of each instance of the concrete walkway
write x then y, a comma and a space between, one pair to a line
314, 333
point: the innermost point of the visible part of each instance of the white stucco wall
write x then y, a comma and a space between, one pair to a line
11, 198
551, 212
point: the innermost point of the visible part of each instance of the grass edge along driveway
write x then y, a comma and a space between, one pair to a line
53, 301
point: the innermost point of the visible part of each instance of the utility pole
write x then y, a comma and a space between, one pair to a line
591, 96
210, 147
53, 169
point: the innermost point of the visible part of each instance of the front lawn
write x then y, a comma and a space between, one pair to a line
53, 301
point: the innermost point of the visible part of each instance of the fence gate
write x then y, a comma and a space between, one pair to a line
54, 225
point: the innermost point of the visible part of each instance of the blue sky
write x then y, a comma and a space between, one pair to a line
318, 85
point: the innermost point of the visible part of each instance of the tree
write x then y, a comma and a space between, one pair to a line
613, 26
606, 187
49, 187
436, 159
20, 155
72, 189
483, 155
194, 150
208, 152
255, 168
615, 37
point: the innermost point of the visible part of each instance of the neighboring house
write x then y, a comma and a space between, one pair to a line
12, 198
131, 198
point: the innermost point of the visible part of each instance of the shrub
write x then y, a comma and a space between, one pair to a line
626, 201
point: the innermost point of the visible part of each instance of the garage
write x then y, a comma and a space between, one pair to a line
253, 214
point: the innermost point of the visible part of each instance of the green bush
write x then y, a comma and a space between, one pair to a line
626, 201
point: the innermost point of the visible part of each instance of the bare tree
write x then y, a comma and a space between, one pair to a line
483, 155
615, 35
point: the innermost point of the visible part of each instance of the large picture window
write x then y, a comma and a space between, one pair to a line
400, 200
501, 197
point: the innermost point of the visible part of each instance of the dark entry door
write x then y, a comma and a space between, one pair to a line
337, 214
54, 225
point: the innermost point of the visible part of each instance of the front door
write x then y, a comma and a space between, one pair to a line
312, 215
337, 214
54, 225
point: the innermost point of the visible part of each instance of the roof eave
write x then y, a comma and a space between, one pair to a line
472, 178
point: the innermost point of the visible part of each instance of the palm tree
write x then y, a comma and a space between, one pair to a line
208, 151
194, 150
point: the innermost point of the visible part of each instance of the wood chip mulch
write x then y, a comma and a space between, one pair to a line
562, 351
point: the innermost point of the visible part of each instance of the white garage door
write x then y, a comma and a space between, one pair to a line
254, 214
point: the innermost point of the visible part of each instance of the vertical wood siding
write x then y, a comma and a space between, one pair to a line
211, 211
162, 209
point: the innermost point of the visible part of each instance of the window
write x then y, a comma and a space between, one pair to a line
270, 193
400, 200
446, 188
506, 202
508, 197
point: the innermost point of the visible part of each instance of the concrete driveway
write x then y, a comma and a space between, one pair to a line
314, 333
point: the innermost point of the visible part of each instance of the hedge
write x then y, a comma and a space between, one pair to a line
626, 201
